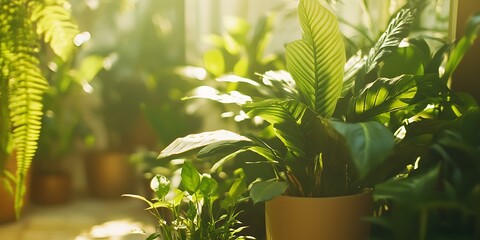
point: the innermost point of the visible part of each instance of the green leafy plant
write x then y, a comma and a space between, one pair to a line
312, 155
62, 122
438, 197
196, 210
22, 25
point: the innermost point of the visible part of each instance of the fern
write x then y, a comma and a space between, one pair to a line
53, 22
22, 82
397, 30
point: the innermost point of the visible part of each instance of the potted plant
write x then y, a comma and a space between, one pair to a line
336, 135
196, 209
22, 83
312, 158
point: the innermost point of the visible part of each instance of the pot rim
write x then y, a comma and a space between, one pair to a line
366, 191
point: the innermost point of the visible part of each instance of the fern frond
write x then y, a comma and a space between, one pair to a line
53, 22
24, 87
397, 30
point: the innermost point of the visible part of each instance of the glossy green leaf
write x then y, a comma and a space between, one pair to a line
195, 141
317, 61
382, 96
190, 177
369, 143
266, 190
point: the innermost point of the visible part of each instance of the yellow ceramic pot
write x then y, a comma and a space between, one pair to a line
330, 218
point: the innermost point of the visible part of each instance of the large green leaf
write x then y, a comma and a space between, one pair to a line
382, 96
285, 116
195, 141
316, 62
369, 143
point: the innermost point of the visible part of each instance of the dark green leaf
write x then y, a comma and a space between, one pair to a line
369, 143
267, 190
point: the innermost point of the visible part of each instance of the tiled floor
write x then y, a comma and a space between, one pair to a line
83, 219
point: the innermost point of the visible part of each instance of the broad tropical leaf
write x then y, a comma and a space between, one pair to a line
382, 96
199, 140
317, 61
369, 143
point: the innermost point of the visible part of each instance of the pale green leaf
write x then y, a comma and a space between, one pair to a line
317, 61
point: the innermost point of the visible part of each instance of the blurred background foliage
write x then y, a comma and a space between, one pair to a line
134, 82
141, 57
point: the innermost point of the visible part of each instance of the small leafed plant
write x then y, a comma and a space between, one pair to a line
195, 210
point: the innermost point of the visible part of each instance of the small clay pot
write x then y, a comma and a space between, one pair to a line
51, 188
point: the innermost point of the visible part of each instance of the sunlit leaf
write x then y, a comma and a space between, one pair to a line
316, 61
382, 96
196, 141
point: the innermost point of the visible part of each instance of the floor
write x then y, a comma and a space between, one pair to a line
82, 219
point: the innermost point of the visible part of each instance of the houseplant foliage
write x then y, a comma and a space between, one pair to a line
195, 210
24, 24
313, 158
377, 101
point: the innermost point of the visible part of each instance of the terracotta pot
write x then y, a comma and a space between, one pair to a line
51, 188
332, 218
109, 174
7, 212
7, 208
